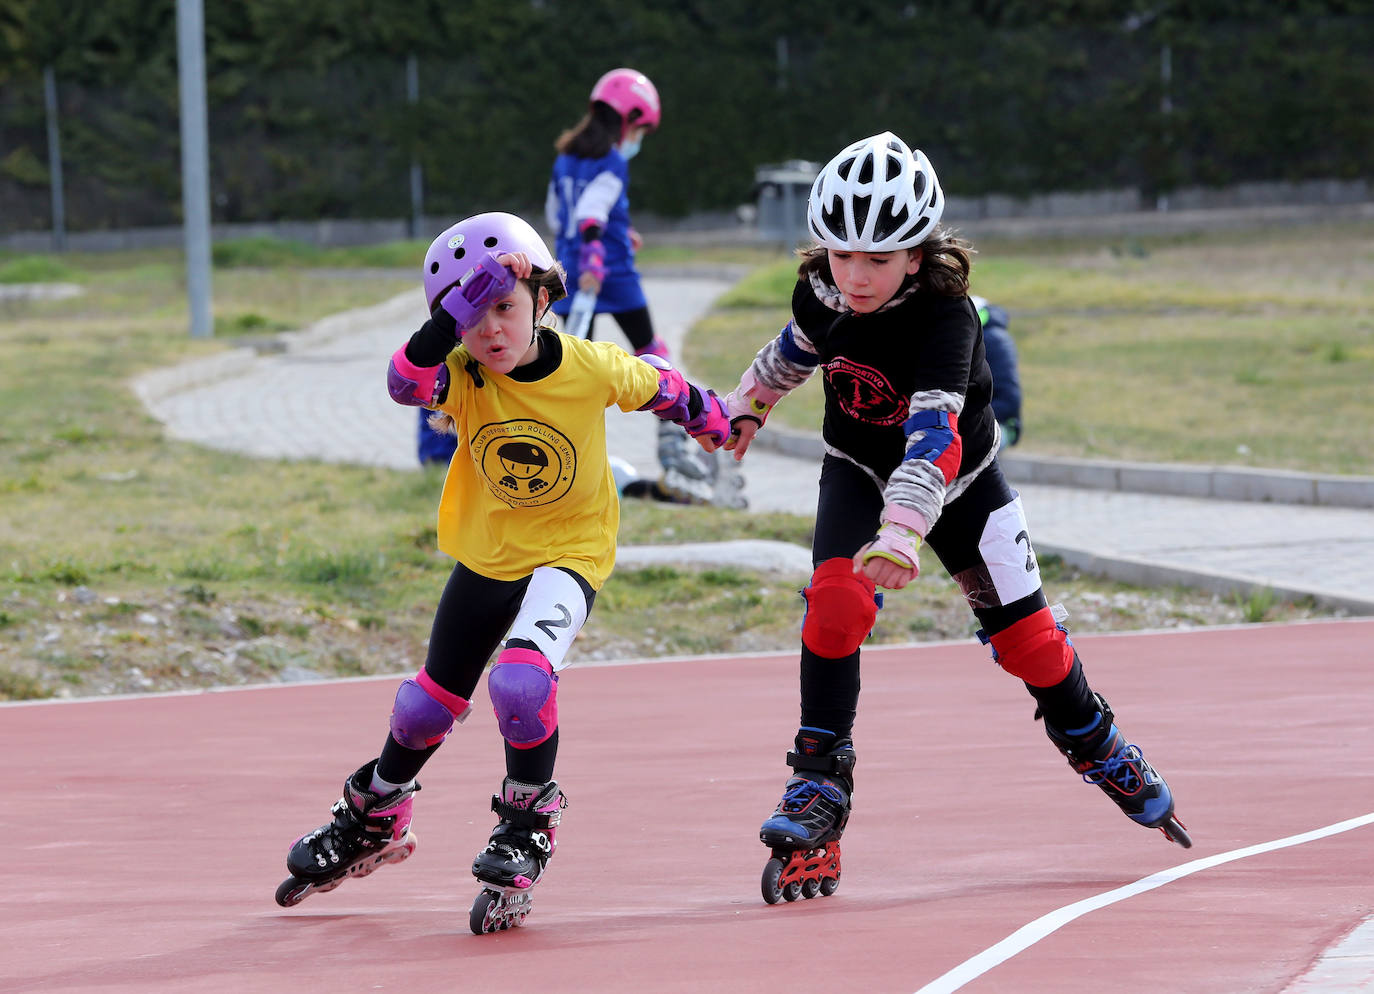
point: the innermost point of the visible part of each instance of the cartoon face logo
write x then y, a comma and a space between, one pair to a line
525, 463
864, 394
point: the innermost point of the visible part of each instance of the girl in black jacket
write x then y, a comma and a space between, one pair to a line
882, 307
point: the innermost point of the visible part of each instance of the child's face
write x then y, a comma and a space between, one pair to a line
504, 339
869, 280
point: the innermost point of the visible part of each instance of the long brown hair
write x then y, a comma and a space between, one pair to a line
946, 263
594, 136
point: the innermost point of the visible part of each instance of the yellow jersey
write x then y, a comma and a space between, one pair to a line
530, 484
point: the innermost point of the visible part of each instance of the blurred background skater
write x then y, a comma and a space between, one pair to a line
1000, 349
433, 446
588, 209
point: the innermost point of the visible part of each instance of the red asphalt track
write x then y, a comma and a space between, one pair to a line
147, 835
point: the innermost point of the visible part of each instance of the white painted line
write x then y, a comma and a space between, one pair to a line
1027, 935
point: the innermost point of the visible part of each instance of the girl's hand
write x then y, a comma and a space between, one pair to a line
636, 242
742, 432
883, 572
518, 263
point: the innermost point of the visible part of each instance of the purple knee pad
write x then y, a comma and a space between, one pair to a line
424, 712
524, 695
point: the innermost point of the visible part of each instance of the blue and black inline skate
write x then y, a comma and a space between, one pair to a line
1104, 758
804, 832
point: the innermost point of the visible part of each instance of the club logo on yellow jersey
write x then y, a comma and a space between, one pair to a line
525, 463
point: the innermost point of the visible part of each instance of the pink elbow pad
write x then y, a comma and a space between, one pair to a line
412, 385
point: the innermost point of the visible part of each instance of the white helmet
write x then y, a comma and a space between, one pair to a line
875, 196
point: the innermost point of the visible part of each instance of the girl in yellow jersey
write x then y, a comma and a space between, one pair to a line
530, 512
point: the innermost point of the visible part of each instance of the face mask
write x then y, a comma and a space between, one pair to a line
629, 149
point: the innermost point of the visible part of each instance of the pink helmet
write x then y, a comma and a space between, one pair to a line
632, 96
460, 248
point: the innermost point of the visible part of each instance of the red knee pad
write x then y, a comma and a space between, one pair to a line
840, 609
1035, 649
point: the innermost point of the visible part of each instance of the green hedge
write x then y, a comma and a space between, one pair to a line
309, 118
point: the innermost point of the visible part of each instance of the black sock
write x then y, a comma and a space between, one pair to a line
1069, 705
535, 765
829, 692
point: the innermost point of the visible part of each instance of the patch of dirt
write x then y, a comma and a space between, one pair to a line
83, 643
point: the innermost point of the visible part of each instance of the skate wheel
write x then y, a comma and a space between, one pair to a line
792, 891
1175, 832
293, 891
810, 888
772, 872
829, 885
479, 919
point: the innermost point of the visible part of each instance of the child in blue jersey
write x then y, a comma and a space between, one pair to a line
588, 204
588, 209
529, 512
881, 307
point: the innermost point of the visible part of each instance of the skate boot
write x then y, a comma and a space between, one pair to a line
693, 476
804, 832
686, 475
1103, 756
517, 854
367, 831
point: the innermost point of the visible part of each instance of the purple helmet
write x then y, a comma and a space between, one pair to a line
459, 248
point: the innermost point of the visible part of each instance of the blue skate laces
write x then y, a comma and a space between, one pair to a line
800, 792
1119, 769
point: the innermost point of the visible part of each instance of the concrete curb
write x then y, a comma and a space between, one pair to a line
1217, 482
1149, 573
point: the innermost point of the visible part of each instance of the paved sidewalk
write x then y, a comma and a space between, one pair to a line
269, 405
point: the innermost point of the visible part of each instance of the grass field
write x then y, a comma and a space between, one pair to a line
129, 562
1240, 348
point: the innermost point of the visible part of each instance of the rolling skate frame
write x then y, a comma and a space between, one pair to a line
801, 873
499, 908
294, 890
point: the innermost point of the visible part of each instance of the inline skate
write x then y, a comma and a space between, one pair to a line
1103, 757
367, 831
517, 854
804, 832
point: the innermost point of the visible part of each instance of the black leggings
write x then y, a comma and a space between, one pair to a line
636, 325
847, 516
473, 616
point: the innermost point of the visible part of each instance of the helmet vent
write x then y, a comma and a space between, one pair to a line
861, 206
434, 267
845, 168
916, 229
894, 167
489, 241
459, 252
918, 186
888, 224
866, 170
834, 222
